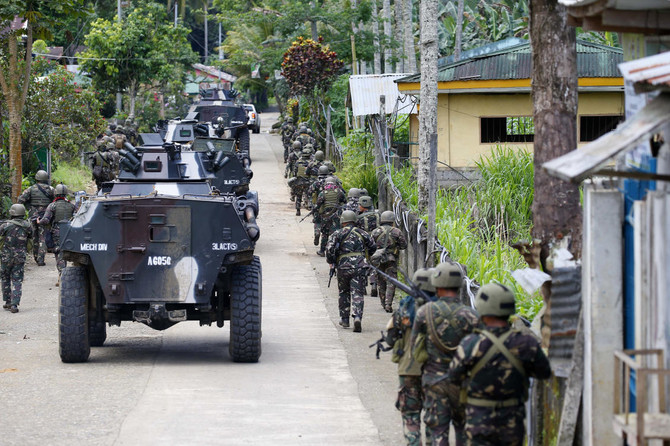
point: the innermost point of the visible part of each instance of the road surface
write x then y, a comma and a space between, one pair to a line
315, 383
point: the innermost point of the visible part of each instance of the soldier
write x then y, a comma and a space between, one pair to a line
346, 251
368, 220
313, 171
410, 393
438, 329
313, 192
60, 209
287, 130
293, 157
37, 197
331, 167
328, 205
301, 182
390, 241
15, 237
497, 361
119, 137
352, 200
104, 164
131, 130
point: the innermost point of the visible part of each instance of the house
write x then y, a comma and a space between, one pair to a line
485, 100
205, 74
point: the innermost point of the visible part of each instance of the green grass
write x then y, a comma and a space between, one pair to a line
358, 168
477, 224
74, 175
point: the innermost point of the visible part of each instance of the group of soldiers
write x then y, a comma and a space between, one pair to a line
458, 365
47, 206
104, 162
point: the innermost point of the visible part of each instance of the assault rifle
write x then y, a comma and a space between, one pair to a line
330, 275
411, 288
310, 213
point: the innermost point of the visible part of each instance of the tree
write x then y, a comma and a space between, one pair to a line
21, 21
309, 67
556, 209
141, 50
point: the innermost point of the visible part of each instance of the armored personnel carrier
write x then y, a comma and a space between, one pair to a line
163, 245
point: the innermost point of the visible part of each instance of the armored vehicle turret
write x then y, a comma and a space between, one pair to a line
167, 242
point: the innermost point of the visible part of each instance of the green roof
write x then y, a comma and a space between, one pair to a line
593, 60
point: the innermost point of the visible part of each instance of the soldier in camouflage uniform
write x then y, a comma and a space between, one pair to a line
300, 181
60, 209
131, 130
293, 157
494, 365
287, 130
104, 164
438, 329
313, 191
390, 241
347, 250
352, 200
328, 205
368, 220
410, 392
15, 236
119, 137
37, 197
313, 171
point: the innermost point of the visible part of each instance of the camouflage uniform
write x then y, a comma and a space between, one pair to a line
451, 321
287, 130
347, 250
15, 235
119, 138
105, 165
60, 209
352, 205
328, 204
392, 241
37, 197
301, 183
496, 394
368, 220
410, 391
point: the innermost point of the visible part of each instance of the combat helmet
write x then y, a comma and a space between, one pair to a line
61, 189
330, 180
323, 171
422, 277
17, 210
319, 155
309, 147
41, 176
387, 217
364, 191
447, 275
119, 129
347, 217
306, 153
365, 201
289, 120
494, 299
331, 166
297, 145
354, 193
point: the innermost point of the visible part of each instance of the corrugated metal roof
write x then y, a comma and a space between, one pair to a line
366, 90
626, 5
566, 303
648, 73
593, 60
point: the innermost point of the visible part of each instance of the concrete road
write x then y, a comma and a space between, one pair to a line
315, 383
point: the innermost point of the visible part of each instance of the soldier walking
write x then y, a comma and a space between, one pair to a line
438, 329
301, 182
104, 163
328, 204
368, 220
37, 197
313, 192
352, 199
410, 392
60, 209
15, 237
497, 362
287, 130
346, 251
390, 241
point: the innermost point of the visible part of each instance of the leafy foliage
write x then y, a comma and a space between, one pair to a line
358, 168
310, 67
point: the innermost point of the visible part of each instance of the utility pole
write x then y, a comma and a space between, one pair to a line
206, 33
220, 46
428, 120
176, 9
119, 96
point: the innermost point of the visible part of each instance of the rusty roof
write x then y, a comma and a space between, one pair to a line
593, 60
648, 73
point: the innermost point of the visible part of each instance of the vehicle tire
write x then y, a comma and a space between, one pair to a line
73, 342
243, 140
97, 327
257, 129
245, 312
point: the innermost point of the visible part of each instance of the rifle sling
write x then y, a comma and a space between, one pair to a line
432, 331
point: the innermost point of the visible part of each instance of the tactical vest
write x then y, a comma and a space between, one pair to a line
442, 313
63, 210
118, 140
40, 195
331, 196
370, 220
302, 169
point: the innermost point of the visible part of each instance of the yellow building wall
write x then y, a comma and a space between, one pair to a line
458, 121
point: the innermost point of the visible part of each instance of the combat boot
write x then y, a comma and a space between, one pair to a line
357, 325
316, 239
344, 323
6, 305
297, 212
373, 291
388, 309
14, 309
320, 253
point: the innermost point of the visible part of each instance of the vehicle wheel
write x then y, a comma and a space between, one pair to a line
97, 328
257, 129
245, 313
73, 315
243, 140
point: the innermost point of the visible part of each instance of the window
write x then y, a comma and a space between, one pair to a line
509, 129
184, 133
593, 127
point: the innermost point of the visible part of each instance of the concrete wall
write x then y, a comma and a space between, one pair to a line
458, 121
602, 290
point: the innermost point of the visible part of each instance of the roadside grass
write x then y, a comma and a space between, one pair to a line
358, 168
74, 175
